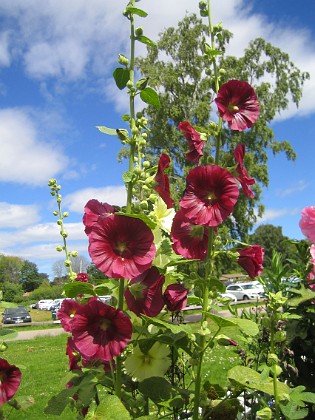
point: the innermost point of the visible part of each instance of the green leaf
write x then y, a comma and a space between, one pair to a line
305, 294
247, 326
142, 83
216, 284
136, 11
76, 288
142, 217
121, 76
175, 329
146, 40
107, 130
156, 388
292, 412
111, 408
59, 402
127, 176
149, 96
222, 322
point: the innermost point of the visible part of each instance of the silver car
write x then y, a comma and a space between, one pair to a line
245, 291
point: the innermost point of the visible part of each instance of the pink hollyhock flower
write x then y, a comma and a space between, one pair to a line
307, 223
163, 185
210, 195
100, 331
10, 379
189, 240
144, 294
66, 313
194, 141
238, 104
121, 247
251, 260
243, 177
175, 297
93, 210
83, 277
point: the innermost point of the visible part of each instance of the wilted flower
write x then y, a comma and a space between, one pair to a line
163, 185
121, 246
155, 362
175, 297
307, 223
194, 141
10, 379
210, 195
237, 104
251, 260
93, 210
66, 313
189, 240
144, 294
243, 177
100, 331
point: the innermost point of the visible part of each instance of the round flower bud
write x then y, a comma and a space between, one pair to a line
144, 135
139, 31
144, 205
55, 213
74, 253
146, 164
65, 214
272, 359
222, 71
3, 347
59, 222
139, 115
137, 170
63, 234
67, 263
59, 248
122, 59
134, 131
129, 84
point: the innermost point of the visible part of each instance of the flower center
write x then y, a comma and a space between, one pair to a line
146, 359
211, 198
233, 108
121, 248
104, 324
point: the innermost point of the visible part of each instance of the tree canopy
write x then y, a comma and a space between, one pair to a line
182, 74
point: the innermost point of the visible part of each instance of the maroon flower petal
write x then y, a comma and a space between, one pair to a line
251, 260
194, 141
144, 294
237, 104
175, 297
93, 210
243, 177
66, 313
163, 185
189, 240
100, 331
121, 247
210, 195
10, 379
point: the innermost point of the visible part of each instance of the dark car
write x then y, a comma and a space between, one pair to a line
16, 315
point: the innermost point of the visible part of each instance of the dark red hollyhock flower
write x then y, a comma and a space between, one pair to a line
66, 313
73, 354
194, 141
93, 210
83, 277
10, 379
251, 260
243, 177
121, 246
210, 195
144, 294
175, 297
238, 104
100, 331
163, 185
189, 240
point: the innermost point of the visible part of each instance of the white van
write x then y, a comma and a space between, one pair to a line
44, 304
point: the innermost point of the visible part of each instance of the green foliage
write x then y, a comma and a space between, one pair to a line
12, 292
30, 278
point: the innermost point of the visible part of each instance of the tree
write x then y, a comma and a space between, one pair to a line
185, 84
59, 271
10, 268
79, 263
272, 239
30, 279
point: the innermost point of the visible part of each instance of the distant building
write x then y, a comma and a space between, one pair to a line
231, 278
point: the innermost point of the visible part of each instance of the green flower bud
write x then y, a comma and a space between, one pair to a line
64, 234
59, 248
55, 213
144, 205
52, 182
65, 214
146, 164
122, 59
129, 84
139, 31
67, 263
134, 131
139, 115
137, 170
59, 222
3, 346
272, 359
74, 253
58, 198
222, 71
144, 135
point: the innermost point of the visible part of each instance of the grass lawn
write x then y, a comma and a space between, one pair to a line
43, 363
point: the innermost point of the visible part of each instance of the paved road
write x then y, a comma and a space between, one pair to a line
29, 335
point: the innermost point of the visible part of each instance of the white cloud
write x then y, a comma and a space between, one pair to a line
17, 216
293, 189
271, 214
114, 195
25, 158
5, 58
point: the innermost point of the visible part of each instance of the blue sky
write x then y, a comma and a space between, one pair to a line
56, 61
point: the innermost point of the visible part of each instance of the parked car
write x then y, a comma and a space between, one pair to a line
44, 304
17, 315
245, 291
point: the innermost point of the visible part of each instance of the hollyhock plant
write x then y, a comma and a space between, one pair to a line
195, 143
121, 247
100, 331
66, 313
251, 260
210, 195
93, 210
189, 240
238, 104
175, 297
82, 277
155, 362
243, 177
144, 294
307, 223
162, 181
10, 379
